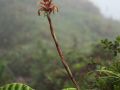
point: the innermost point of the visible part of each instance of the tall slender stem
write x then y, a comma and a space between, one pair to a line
59, 50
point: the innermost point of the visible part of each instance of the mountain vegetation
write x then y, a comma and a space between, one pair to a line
27, 53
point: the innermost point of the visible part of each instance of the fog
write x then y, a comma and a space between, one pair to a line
90, 42
110, 8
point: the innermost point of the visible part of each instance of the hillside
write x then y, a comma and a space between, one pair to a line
77, 23
28, 55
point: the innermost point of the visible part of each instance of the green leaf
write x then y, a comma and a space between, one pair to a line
15, 86
118, 38
70, 89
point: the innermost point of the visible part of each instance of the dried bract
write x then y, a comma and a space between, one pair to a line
47, 7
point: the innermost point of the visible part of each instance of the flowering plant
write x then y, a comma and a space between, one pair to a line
47, 7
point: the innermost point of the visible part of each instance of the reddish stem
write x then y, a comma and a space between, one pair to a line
61, 54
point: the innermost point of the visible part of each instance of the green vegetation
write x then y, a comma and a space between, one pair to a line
113, 46
16, 86
109, 78
28, 56
70, 89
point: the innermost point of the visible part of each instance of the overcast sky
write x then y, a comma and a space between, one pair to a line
110, 8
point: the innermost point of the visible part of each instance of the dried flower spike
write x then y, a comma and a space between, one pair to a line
47, 7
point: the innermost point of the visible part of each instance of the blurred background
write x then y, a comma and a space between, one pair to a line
27, 51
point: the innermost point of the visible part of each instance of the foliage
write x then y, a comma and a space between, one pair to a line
15, 86
21, 27
24, 39
109, 78
69, 89
113, 46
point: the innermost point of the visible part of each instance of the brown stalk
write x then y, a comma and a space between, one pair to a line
59, 50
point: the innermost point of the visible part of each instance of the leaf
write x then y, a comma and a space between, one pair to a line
118, 38
70, 89
15, 86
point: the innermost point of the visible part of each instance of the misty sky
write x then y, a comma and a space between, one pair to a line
110, 8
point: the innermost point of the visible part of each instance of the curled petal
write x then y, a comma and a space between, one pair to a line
42, 3
46, 0
56, 9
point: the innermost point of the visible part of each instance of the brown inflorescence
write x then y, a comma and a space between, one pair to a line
47, 7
